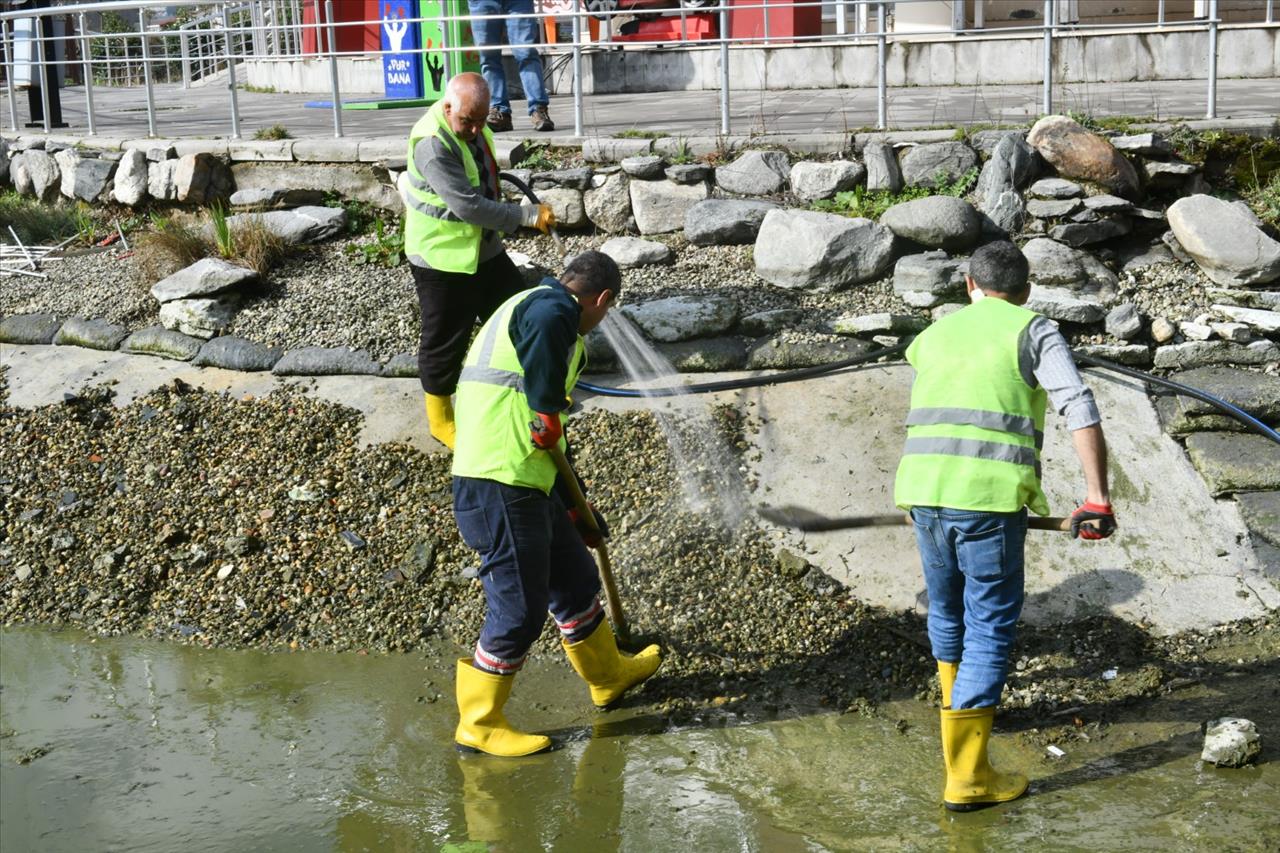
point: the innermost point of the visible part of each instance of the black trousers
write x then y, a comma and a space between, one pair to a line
451, 303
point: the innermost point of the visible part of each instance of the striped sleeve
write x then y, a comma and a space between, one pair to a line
1045, 359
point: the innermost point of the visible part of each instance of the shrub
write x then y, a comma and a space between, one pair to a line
861, 202
276, 131
169, 246
257, 246
37, 224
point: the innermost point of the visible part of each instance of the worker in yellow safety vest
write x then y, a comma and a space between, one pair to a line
969, 471
512, 397
454, 222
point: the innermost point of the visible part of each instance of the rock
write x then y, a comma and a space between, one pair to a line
688, 173
231, 353
1144, 255
1204, 353
1231, 742
29, 329
1261, 513
1086, 233
1237, 332
303, 183
22, 573
812, 181
936, 163
1246, 298
804, 249
1226, 245
200, 318
567, 205
767, 322
298, 226
1055, 188
755, 173
925, 280
352, 540
1160, 175
985, 142
161, 183
1108, 204
574, 179
1077, 153
1055, 265
681, 318
1131, 355
644, 166
260, 197
876, 324
780, 353
20, 174
1124, 322
420, 560
1267, 322
43, 172
1064, 305
792, 565
201, 179
326, 361
723, 222
660, 207
600, 354
1162, 330
206, 277
1145, 144
609, 205
94, 334
1006, 214
634, 252
1052, 208
83, 178
883, 170
1255, 392
706, 356
158, 153
937, 222
1012, 165
606, 149
1233, 462
1195, 331
130, 185
162, 342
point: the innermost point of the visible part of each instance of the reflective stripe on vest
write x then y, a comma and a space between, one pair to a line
975, 428
491, 411
431, 231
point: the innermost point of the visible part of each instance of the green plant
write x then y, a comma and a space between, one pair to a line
872, 204
683, 154
386, 249
361, 215
538, 158
222, 241
258, 247
87, 227
636, 133
169, 246
276, 131
1265, 200
261, 90
36, 223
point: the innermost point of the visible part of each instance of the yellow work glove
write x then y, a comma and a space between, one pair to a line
538, 216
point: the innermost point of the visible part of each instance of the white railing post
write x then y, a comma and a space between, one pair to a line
724, 68
766, 21
38, 37
1047, 100
333, 69
10, 66
882, 62
577, 67
229, 49
842, 19
146, 72
86, 69
1211, 111
1160, 13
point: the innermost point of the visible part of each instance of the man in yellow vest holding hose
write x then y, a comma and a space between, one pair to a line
512, 394
454, 221
969, 471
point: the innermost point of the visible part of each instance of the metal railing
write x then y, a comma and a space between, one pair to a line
276, 31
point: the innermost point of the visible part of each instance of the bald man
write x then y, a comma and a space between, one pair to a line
454, 221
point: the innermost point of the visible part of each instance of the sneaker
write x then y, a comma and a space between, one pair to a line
541, 120
498, 121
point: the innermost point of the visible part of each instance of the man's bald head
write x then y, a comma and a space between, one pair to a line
466, 104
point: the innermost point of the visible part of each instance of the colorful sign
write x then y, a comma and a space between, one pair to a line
401, 70
454, 34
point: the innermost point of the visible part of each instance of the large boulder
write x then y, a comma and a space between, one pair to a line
1079, 234
938, 162
206, 277
883, 171
725, 221
939, 222
20, 174
928, 279
804, 249
634, 252
298, 226
200, 318
755, 173
83, 178
1255, 392
1055, 265
566, 203
608, 204
646, 167
131, 178
1077, 153
1231, 742
310, 183
1233, 462
43, 172
160, 180
659, 207
201, 179
813, 181
1225, 243
1012, 165
683, 318
1191, 354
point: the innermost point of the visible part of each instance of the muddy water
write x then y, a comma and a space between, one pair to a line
159, 747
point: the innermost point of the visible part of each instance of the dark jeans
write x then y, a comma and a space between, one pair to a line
532, 561
451, 303
973, 570
520, 33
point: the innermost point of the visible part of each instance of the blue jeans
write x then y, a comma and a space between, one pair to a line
520, 32
532, 560
973, 570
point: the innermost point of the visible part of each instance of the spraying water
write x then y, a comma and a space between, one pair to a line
708, 470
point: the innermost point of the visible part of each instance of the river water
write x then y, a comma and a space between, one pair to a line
155, 746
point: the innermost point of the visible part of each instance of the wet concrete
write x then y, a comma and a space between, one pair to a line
156, 746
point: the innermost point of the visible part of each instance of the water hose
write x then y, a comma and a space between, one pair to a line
1230, 410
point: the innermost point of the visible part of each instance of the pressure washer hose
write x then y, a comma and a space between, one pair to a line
800, 374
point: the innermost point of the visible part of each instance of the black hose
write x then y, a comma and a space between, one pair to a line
803, 373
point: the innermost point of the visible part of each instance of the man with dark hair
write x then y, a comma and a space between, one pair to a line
512, 396
969, 470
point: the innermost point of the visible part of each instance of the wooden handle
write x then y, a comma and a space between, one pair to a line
810, 521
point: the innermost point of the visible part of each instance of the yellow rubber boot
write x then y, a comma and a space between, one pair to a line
947, 679
972, 783
481, 724
440, 419
608, 672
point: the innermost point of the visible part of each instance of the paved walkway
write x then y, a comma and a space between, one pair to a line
206, 111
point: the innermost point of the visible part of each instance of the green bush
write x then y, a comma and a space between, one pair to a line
872, 205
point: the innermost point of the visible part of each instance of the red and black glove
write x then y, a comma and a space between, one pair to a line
1104, 521
591, 537
546, 432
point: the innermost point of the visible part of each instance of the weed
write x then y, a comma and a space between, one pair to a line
261, 90
538, 159
683, 154
171, 244
37, 224
361, 215
222, 242
1120, 124
276, 131
257, 246
386, 249
636, 133
873, 204
86, 224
